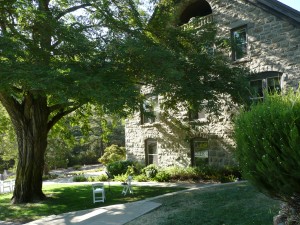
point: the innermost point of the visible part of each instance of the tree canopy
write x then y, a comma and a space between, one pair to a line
57, 55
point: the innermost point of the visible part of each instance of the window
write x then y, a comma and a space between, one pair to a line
149, 110
266, 81
239, 43
196, 115
151, 152
199, 150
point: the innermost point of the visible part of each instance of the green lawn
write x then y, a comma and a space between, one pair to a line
231, 204
71, 197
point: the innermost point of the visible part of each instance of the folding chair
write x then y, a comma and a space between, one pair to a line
98, 192
127, 186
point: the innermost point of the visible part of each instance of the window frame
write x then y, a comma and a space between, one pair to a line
244, 45
264, 77
193, 141
147, 159
149, 110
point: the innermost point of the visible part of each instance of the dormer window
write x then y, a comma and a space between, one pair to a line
239, 42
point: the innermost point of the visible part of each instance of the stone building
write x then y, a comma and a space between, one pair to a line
269, 45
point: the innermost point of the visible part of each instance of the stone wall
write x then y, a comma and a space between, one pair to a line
273, 45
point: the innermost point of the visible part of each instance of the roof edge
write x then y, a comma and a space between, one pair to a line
278, 8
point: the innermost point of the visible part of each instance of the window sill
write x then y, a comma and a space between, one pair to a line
155, 124
242, 60
198, 121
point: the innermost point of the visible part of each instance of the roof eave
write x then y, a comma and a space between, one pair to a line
279, 9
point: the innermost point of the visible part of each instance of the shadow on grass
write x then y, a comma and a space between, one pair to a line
63, 198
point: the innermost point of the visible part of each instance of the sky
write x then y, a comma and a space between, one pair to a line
292, 3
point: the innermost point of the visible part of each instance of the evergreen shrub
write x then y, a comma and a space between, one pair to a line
150, 171
112, 154
162, 176
119, 167
268, 146
80, 178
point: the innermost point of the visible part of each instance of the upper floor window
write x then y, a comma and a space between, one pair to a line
149, 110
266, 81
239, 42
197, 114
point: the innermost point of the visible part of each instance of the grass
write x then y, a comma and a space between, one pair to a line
230, 204
71, 197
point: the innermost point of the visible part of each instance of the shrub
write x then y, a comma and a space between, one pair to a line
268, 146
150, 171
112, 154
101, 177
141, 178
119, 167
162, 176
120, 177
180, 173
49, 176
77, 167
80, 178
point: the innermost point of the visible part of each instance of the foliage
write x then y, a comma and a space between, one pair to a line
8, 144
101, 177
50, 176
120, 177
119, 167
141, 178
268, 140
112, 154
81, 139
77, 167
162, 176
150, 171
80, 178
130, 170
219, 174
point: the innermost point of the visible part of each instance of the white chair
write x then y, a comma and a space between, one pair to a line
98, 192
127, 186
7, 186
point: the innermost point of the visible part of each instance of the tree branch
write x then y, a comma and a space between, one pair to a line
62, 106
60, 115
72, 9
11, 105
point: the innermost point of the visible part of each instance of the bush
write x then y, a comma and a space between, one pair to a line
112, 154
120, 177
150, 171
80, 178
180, 173
77, 167
101, 177
141, 178
119, 167
50, 176
268, 146
162, 176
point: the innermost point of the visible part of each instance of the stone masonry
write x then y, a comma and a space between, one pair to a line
273, 39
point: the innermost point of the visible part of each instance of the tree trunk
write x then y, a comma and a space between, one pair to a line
30, 122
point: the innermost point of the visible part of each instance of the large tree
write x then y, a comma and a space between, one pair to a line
57, 55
